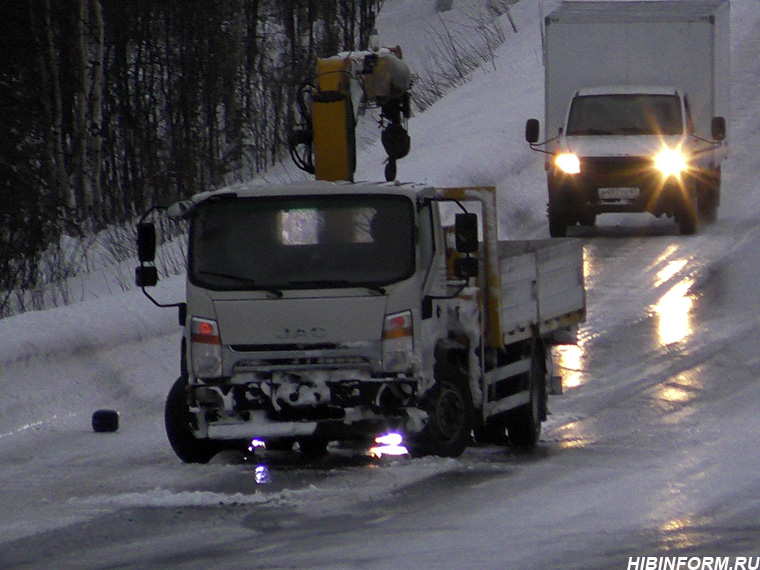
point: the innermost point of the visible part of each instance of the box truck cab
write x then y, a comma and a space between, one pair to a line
636, 95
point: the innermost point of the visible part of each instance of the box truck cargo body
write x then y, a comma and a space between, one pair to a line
646, 75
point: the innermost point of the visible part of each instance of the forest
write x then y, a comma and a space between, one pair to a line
108, 107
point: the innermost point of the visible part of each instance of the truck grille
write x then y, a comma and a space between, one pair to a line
617, 167
301, 362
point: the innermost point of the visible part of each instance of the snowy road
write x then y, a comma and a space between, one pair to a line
653, 450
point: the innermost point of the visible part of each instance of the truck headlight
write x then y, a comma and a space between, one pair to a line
205, 348
398, 342
671, 162
568, 163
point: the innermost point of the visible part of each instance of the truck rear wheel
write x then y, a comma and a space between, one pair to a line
177, 420
524, 424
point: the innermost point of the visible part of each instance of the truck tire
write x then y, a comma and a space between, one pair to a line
447, 433
685, 205
557, 223
708, 194
524, 423
450, 412
686, 218
177, 421
558, 210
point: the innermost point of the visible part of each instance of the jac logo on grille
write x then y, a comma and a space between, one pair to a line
302, 333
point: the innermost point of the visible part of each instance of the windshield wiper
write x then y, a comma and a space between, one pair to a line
242, 280
337, 283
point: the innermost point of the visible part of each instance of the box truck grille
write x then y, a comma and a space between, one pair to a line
624, 171
616, 166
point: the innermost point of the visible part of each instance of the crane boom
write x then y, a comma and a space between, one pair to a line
324, 144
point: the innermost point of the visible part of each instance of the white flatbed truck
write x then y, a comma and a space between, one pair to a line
319, 312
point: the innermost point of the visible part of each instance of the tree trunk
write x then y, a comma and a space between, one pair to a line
95, 132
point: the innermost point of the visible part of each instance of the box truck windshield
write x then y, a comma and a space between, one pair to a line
625, 114
302, 242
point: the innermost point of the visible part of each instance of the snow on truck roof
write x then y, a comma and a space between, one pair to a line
634, 11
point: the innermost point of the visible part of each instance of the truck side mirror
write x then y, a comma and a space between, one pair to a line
532, 128
718, 128
466, 267
146, 276
146, 242
466, 232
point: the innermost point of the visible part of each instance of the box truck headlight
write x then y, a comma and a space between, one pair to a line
568, 163
205, 348
398, 342
671, 162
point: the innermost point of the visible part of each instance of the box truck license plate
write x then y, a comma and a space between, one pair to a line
618, 193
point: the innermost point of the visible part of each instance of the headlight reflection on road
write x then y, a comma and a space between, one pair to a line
674, 312
575, 434
568, 363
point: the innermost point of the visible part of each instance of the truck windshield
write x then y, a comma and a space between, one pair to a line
280, 243
625, 115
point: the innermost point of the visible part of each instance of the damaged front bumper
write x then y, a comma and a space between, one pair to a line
337, 404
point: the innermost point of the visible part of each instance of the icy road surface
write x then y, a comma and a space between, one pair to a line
653, 450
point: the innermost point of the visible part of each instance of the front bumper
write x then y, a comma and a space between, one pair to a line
334, 404
617, 184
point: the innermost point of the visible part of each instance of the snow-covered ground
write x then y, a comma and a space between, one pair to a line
653, 450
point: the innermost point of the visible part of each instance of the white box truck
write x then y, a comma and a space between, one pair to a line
636, 95
319, 312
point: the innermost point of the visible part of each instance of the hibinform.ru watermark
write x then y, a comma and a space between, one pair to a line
694, 563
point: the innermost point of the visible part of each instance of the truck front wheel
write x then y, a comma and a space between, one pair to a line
560, 209
447, 433
177, 420
684, 205
708, 194
557, 222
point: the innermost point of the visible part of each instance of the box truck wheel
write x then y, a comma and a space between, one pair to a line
560, 209
686, 213
524, 424
708, 194
557, 221
177, 420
